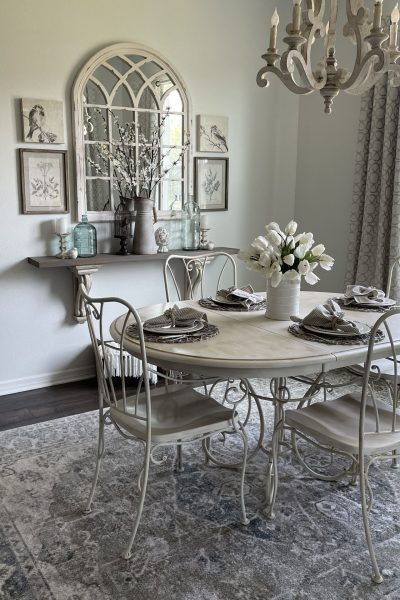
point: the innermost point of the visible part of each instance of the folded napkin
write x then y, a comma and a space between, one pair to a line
328, 316
244, 296
177, 317
360, 294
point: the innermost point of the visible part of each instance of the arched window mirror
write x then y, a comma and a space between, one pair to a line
136, 86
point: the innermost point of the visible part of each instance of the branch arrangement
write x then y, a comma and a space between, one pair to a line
138, 164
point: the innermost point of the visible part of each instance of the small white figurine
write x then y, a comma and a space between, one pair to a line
162, 239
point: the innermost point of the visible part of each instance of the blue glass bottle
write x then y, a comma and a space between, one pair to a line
85, 238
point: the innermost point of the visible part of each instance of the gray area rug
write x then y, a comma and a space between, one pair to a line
190, 544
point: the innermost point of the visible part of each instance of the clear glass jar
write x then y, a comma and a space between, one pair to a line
191, 225
85, 238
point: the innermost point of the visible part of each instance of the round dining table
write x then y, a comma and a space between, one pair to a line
250, 345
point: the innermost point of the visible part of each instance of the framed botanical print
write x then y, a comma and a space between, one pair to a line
211, 183
44, 181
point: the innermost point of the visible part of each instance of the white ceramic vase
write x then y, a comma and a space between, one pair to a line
283, 300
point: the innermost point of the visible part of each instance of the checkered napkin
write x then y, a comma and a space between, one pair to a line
244, 296
360, 294
328, 316
177, 317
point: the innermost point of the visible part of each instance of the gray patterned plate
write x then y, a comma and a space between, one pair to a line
168, 330
363, 329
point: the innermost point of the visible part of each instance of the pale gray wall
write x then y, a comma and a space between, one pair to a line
215, 46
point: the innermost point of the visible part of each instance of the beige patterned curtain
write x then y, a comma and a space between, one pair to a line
375, 220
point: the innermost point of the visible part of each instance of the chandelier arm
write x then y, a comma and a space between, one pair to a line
313, 25
293, 58
376, 60
286, 78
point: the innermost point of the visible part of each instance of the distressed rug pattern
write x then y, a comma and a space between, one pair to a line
190, 544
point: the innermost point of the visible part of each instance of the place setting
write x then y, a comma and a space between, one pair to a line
327, 323
365, 299
176, 325
234, 299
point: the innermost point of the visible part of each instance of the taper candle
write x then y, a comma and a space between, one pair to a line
274, 30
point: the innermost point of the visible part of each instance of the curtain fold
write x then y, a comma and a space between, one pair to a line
374, 239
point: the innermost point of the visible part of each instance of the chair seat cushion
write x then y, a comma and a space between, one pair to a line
178, 413
336, 424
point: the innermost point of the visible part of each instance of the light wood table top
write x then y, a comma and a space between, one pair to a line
250, 345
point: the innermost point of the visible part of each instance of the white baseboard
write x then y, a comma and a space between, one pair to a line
12, 386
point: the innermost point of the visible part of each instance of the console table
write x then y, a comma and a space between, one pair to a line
83, 268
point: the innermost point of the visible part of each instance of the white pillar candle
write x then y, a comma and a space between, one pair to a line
62, 226
395, 16
204, 222
377, 14
296, 15
274, 30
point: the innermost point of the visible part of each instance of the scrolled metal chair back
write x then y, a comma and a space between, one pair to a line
194, 268
382, 324
98, 330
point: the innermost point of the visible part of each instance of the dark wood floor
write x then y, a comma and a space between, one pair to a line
49, 403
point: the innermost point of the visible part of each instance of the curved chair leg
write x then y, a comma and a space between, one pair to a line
145, 475
245, 519
100, 453
376, 575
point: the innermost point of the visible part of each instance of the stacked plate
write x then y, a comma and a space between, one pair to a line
174, 331
385, 303
362, 328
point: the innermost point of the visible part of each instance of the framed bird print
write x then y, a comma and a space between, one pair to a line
212, 134
42, 121
211, 183
44, 180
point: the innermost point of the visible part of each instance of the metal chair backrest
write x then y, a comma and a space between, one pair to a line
99, 332
394, 264
185, 275
371, 374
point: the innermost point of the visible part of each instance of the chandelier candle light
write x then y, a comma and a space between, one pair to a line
374, 57
285, 258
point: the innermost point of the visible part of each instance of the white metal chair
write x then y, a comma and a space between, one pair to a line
173, 415
383, 368
185, 276
357, 426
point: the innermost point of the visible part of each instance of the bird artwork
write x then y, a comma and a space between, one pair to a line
213, 134
218, 137
37, 115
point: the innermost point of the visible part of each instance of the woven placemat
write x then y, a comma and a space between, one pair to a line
209, 303
379, 309
359, 340
208, 331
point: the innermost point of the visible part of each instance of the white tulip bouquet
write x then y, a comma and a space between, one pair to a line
283, 255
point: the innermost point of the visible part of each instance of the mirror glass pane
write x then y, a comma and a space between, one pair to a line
92, 155
173, 102
172, 192
93, 94
150, 68
173, 130
122, 97
148, 100
98, 194
135, 82
120, 64
96, 124
106, 77
147, 121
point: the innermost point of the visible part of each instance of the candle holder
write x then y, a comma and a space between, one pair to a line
203, 238
64, 253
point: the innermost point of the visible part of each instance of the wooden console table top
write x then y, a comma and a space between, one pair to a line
47, 262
